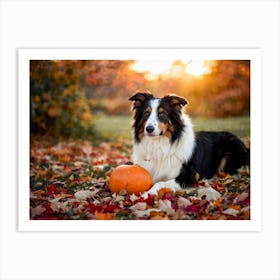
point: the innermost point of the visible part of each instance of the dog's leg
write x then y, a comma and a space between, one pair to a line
170, 184
188, 175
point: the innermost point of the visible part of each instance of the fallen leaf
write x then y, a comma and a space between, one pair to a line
231, 211
103, 216
165, 205
145, 213
241, 197
133, 197
209, 192
183, 202
37, 211
139, 206
83, 195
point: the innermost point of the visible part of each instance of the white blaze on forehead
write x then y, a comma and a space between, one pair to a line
152, 120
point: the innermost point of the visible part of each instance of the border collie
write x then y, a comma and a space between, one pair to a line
176, 157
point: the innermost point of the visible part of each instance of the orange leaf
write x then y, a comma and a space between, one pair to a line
218, 202
162, 191
103, 216
236, 207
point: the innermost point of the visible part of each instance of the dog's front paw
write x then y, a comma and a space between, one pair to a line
171, 184
153, 190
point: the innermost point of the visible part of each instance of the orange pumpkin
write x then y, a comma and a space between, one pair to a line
132, 178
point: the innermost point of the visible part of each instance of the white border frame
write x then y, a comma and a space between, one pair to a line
24, 57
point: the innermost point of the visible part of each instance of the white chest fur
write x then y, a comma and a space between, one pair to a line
161, 158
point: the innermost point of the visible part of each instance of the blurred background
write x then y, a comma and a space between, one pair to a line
88, 99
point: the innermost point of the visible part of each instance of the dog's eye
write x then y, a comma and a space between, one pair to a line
146, 113
163, 117
162, 113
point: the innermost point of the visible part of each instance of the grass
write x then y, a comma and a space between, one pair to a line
118, 126
240, 126
113, 127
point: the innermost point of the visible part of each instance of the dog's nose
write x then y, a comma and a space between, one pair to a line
150, 128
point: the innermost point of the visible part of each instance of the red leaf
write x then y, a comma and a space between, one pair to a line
63, 190
92, 208
168, 196
149, 200
52, 190
192, 208
174, 205
110, 208
165, 193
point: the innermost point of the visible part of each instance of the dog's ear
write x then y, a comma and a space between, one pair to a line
139, 98
176, 101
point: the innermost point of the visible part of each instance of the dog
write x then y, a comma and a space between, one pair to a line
165, 144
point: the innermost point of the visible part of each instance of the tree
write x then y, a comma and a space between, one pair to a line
58, 105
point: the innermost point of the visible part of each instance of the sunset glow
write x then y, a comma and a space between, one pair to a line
154, 68
196, 67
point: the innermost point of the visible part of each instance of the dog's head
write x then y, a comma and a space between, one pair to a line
155, 117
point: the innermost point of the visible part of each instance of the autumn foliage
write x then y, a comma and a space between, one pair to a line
59, 106
70, 181
67, 95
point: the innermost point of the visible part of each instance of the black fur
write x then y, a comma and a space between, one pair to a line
210, 149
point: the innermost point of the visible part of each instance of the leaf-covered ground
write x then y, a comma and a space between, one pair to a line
70, 180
